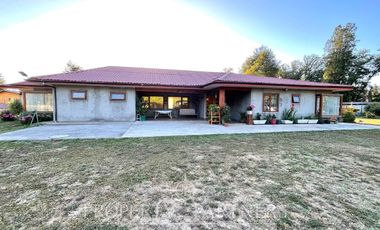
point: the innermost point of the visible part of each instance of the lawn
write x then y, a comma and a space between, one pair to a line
262, 181
368, 121
10, 126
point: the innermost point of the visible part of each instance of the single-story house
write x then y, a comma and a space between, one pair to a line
6, 96
359, 106
110, 93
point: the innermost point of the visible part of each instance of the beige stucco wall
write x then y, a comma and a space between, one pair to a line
97, 106
306, 107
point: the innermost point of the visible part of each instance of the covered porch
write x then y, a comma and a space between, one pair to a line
167, 104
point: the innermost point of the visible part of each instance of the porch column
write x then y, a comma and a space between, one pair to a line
222, 98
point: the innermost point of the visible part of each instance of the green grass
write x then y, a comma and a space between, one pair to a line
9, 126
375, 121
313, 180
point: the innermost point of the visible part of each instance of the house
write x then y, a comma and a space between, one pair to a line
358, 106
6, 96
110, 93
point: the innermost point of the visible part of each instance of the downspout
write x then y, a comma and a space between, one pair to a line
55, 103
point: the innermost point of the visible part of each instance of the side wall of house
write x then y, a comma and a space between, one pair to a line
306, 107
97, 106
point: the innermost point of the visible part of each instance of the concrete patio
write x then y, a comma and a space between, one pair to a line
95, 130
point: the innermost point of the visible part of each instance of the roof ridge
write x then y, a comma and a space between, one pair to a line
223, 76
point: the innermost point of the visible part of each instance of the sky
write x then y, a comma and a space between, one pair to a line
41, 36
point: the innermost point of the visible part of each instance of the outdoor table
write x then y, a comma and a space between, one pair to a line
158, 112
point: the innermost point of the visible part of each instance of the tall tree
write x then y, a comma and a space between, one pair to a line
262, 62
362, 70
2, 79
72, 67
339, 54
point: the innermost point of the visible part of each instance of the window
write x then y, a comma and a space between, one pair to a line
78, 94
178, 102
296, 98
115, 96
270, 103
174, 102
155, 102
185, 102
330, 105
41, 102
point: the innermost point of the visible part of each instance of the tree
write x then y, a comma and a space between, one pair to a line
2, 79
313, 67
292, 71
374, 93
262, 63
309, 69
339, 54
228, 69
360, 73
72, 67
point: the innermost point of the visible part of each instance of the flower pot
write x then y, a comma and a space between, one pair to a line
303, 121
249, 112
313, 121
142, 118
259, 122
273, 121
287, 122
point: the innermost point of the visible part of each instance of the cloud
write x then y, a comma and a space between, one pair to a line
161, 34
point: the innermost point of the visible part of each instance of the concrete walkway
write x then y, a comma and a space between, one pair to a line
180, 128
96, 130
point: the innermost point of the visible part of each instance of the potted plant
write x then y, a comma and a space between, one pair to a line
250, 109
258, 121
288, 116
226, 115
313, 120
271, 119
243, 117
142, 109
302, 120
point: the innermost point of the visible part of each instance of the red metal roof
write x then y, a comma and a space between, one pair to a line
167, 77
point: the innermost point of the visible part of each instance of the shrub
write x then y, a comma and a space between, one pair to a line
373, 108
7, 116
369, 115
15, 107
226, 114
26, 117
349, 116
288, 114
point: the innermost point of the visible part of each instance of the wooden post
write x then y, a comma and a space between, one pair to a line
222, 98
23, 101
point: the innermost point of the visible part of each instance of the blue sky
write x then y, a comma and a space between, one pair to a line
298, 27
41, 36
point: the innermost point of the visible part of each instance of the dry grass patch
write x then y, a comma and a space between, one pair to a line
283, 181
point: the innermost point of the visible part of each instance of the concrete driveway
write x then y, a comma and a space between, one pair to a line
69, 131
96, 130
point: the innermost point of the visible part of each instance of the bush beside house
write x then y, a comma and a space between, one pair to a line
373, 108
